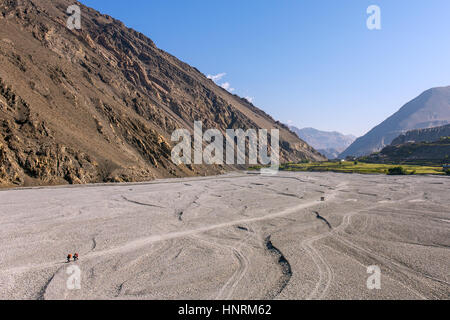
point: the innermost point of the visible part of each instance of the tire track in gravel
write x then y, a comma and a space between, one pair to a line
326, 278
393, 265
227, 290
229, 287
326, 274
324, 269
364, 266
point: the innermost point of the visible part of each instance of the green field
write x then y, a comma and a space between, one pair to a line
359, 167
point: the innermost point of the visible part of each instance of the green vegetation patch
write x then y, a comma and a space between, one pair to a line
396, 171
361, 167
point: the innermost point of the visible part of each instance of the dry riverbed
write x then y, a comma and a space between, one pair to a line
237, 236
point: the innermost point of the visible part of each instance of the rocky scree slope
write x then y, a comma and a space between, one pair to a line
100, 104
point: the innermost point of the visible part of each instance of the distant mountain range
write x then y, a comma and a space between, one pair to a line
330, 144
430, 109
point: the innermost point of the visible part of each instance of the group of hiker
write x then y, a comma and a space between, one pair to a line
75, 257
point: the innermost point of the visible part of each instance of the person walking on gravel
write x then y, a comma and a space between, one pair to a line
69, 256
75, 257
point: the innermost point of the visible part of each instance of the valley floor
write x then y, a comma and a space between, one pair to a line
237, 236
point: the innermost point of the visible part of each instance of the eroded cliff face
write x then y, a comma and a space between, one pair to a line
100, 104
420, 153
423, 135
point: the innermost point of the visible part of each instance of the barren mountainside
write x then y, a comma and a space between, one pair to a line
422, 153
430, 109
100, 103
423, 135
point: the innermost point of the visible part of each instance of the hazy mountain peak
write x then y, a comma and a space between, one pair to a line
330, 144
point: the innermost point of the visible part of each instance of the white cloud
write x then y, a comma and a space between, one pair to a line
227, 86
216, 77
249, 99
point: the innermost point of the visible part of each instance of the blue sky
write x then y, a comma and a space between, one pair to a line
312, 63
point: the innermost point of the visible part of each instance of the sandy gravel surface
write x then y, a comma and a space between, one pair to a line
238, 236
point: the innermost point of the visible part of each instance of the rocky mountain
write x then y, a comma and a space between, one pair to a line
423, 135
100, 104
422, 153
430, 109
330, 144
